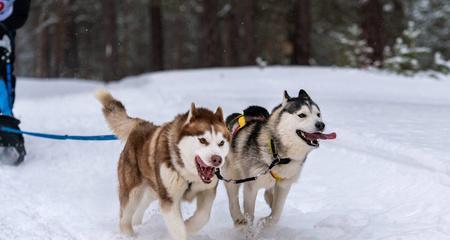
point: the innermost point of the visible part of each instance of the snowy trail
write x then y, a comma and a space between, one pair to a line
387, 176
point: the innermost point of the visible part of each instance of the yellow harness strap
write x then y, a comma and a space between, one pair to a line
241, 121
276, 176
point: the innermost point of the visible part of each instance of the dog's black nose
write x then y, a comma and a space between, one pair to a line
216, 160
320, 126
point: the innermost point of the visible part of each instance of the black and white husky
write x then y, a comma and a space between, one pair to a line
289, 133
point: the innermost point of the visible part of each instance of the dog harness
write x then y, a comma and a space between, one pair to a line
276, 176
237, 124
241, 120
276, 161
275, 155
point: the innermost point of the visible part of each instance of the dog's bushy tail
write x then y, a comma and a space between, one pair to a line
116, 115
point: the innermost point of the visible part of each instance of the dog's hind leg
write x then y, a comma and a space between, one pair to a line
147, 198
201, 216
128, 209
233, 200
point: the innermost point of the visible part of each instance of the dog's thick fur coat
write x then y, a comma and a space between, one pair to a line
158, 163
251, 154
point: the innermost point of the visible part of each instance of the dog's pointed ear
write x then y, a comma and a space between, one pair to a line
219, 113
191, 113
303, 95
286, 98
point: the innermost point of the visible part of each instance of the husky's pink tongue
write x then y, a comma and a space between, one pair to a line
205, 172
317, 135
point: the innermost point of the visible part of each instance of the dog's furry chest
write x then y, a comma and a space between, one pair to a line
289, 171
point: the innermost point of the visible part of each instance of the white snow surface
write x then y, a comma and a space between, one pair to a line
386, 176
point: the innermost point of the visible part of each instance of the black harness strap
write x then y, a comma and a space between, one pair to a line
235, 181
276, 161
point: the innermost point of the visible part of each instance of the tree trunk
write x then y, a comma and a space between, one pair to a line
111, 63
301, 33
231, 37
247, 17
211, 37
64, 56
59, 40
71, 60
372, 25
156, 34
180, 40
124, 58
397, 26
42, 56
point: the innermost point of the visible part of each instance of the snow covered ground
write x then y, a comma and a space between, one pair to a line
387, 176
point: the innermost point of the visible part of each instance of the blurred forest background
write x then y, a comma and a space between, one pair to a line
110, 39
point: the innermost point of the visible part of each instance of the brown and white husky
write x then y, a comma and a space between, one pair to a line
172, 162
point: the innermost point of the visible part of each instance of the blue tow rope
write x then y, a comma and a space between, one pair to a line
60, 137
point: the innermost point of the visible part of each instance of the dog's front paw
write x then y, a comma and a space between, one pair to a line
240, 222
191, 226
267, 221
137, 221
127, 230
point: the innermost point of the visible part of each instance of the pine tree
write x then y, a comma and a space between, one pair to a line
356, 50
440, 64
403, 58
432, 17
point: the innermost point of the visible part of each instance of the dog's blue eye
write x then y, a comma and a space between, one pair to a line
221, 143
302, 115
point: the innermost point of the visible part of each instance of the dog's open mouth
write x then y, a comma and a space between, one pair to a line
312, 139
205, 172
